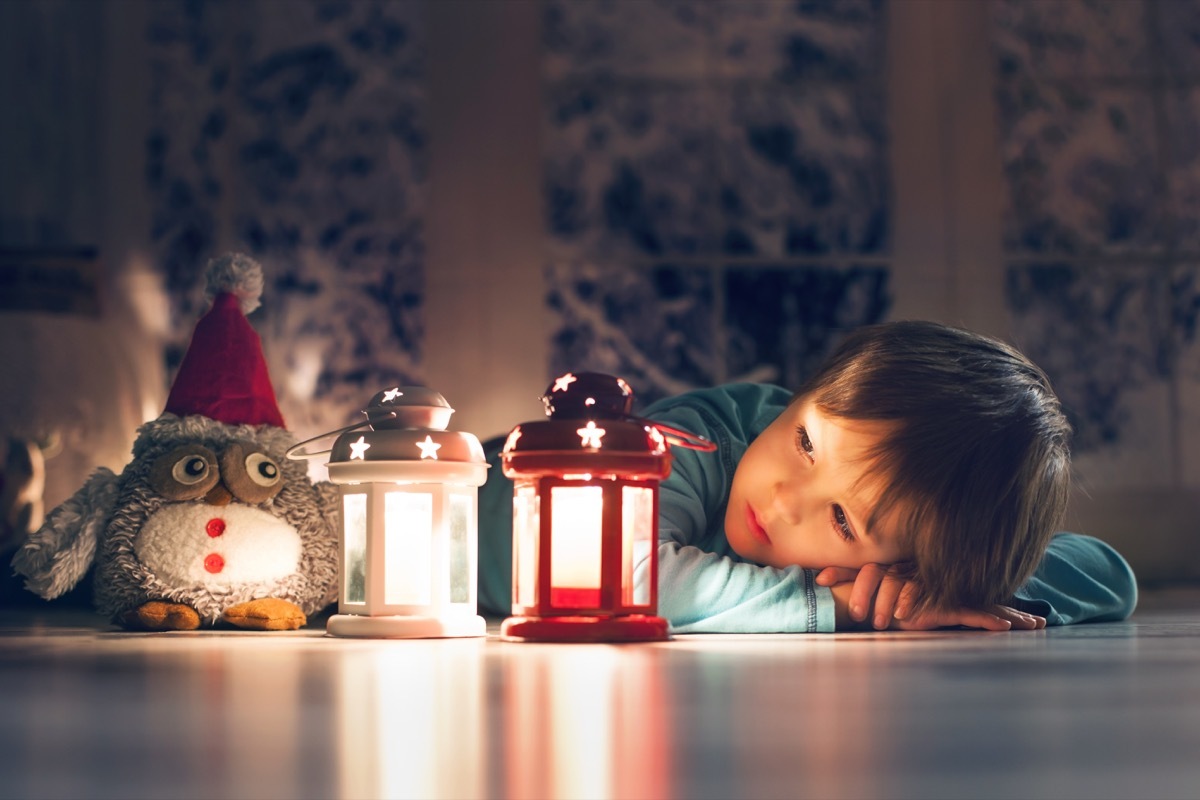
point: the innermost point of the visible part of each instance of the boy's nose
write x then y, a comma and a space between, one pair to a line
788, 503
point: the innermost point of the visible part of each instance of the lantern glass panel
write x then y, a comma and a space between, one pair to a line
461, 508
577, 520
637, 525
526, 524
409, 545
354, 529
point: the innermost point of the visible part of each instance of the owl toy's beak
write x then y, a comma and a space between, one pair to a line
218, 495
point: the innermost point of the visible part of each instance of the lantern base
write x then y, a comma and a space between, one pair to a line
625, 628
405, 627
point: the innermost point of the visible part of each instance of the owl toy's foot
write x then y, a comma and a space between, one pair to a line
268, 614
159, 615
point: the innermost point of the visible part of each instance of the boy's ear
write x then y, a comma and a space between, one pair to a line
58, 554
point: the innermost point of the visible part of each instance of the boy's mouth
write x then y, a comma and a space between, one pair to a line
757, 530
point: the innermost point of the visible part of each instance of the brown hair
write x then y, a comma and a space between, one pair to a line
978, 458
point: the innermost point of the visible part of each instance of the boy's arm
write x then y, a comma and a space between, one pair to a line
876, 597
701, 592
1080, 579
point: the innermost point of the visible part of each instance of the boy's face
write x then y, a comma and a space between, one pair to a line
799, 494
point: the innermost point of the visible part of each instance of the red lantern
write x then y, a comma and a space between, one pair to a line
585, 515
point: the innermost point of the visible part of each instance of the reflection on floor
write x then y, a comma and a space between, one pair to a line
1110, 710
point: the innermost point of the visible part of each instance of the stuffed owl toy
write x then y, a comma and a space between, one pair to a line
210, 522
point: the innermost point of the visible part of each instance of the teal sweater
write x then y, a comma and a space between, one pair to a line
705, 587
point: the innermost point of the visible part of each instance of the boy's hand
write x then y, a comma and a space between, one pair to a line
893, 594
995, 618
894, 597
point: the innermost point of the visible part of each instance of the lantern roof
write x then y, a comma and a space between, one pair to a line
590, 430
408, 407
405, 439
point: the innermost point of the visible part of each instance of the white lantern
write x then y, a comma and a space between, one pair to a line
410, 521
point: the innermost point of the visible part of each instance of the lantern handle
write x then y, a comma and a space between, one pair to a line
682, 438
296, 453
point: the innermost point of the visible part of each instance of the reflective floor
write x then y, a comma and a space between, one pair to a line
1098, 711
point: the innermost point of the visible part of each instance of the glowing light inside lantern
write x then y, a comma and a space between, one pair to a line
577, 518
409, 544
359, 449
590, 435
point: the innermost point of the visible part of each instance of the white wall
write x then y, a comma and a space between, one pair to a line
484, 289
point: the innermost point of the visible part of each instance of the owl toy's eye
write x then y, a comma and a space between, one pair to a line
185, 473
262, 470
252, 475
190, 469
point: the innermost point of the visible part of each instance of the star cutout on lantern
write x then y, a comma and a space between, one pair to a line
429, 448
359, 449
590, 435
511, 442
656, 437
561, 384
391, 394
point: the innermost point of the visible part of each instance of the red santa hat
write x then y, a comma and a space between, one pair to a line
224, 375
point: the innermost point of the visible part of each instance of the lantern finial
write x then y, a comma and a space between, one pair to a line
588, 394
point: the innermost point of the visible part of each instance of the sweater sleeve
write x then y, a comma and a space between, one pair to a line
495, 535
1080, 579
703, 592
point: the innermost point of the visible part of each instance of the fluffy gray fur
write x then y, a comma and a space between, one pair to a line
57, 556
238, 274
102, 520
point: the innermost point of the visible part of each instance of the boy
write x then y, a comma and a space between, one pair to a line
914, 482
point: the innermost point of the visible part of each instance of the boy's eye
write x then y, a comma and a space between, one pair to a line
841, 524
803, 443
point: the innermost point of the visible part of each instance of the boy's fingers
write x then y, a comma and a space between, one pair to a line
1019, 619
986, 621
833, 575
906, 601
865, 586
886, 599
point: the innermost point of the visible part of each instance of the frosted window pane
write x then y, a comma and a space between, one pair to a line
462, 508
637, 524
526, 521
354, 529
409, 545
